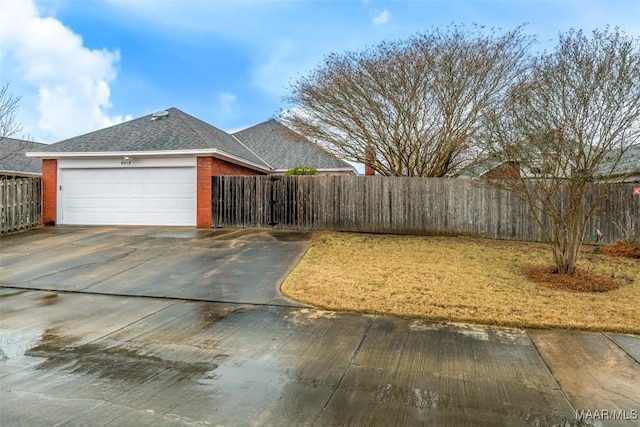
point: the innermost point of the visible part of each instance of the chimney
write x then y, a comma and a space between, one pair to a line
370, 160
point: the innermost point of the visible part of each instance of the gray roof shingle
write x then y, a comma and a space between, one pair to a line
628, 164
13, 159
282, 148
176, 131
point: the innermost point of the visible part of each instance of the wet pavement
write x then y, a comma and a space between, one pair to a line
233, 265
74, 358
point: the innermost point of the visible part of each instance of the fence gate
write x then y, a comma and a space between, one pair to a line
260, 202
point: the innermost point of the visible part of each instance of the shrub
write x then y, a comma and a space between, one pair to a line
302, 170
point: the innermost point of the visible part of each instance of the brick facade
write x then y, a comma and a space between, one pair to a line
207, 168
370, 160
49, 191
509, 170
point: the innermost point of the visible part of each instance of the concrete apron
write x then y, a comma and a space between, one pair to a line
84, 359
222, 265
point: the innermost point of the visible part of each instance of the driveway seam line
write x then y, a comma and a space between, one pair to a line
344, 374
160, 297
546, 365
605, 334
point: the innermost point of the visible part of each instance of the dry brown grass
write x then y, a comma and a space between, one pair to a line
461, 279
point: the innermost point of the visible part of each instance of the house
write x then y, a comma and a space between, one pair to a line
491, 168
283, 149
627, 168
13, 161
154, 170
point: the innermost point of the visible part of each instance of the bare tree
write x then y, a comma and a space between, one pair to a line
416, 104
9, 125
567, 124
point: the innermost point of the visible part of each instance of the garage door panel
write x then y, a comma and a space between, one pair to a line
132, 196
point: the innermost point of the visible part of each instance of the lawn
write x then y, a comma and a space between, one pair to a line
461, 279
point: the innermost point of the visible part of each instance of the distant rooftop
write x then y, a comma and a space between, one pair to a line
13, 160
282, 148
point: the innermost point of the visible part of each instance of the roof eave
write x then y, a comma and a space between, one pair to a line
19, 173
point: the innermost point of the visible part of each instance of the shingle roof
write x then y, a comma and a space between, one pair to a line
12, 158
478, 168
282, 148
628, 164
176, 131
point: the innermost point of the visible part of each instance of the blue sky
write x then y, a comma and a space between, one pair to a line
81, 65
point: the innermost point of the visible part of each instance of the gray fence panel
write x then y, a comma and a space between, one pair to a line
20, 204
431, 206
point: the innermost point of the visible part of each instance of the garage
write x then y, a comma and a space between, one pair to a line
145, 192
155, 170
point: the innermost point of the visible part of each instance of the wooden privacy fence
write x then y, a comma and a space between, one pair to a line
432, 206
20, 205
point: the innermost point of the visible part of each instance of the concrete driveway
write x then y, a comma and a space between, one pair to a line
77, 358
244, 266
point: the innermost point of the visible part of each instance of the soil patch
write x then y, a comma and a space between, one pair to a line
622, 249
580, 281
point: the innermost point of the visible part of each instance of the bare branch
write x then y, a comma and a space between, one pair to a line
416, 102
568, 123
9, 125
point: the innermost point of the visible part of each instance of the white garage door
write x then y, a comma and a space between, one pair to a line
128, 196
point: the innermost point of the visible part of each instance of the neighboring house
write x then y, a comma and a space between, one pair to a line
13, 161
491, 169
627, 169
154, 170
283, 149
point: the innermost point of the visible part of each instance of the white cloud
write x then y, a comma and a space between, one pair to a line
71, 80
226, 108
274, 74
382, 18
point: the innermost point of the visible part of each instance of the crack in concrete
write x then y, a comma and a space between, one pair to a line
344, 374
86, 265
131, 323
620, 347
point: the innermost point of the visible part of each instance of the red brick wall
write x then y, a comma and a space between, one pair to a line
208, 167
49, 191
220, 167
370, 160
509, 170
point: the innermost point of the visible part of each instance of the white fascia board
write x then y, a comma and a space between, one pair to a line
20, 174
163, 153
